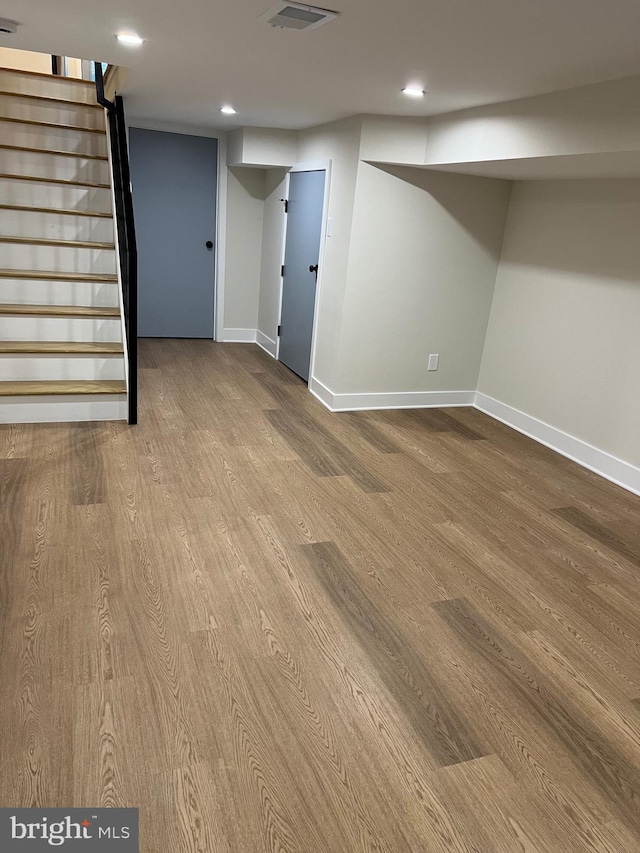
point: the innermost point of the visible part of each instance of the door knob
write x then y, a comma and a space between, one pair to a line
209, 245
314, 268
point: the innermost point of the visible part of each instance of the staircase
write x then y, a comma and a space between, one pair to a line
61, 352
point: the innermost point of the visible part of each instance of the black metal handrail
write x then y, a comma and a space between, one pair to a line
126, 232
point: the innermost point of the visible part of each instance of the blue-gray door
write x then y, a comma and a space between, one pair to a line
173, 180
301, 254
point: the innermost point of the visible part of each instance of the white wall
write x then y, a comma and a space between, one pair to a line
577, 121
245, 205
393, 139
422, 268
263, 146
562, 342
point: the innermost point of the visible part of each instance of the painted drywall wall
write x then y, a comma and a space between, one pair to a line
245, 205
422, 267
269, 147
235, 144
272, 238
394, 139
264, 147
576, 121
340, 143
562, 342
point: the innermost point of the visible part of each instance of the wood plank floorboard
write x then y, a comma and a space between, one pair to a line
275, 629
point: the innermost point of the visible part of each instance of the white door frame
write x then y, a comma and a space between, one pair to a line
221, 239
313, 166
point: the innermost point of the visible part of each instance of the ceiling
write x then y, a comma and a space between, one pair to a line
200, 54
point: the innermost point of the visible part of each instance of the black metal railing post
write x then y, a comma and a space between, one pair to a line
125, 228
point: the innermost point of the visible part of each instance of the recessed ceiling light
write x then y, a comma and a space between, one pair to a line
227, 110
130, 39
413, 92
8, 28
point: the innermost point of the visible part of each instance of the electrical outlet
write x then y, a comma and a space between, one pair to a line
434, 358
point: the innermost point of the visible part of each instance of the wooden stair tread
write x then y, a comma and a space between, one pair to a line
57, 77
56, 151
33, 97
59, 210
38, 123
62, 347
58, 387
65, 181
45, 241
59, 310
58, 275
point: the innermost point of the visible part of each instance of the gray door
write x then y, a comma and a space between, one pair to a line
302, 250
173, 180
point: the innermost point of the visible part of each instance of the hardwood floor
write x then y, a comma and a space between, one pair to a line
273, 628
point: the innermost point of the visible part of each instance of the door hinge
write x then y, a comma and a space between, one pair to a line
279, 330
282, 270
286, 204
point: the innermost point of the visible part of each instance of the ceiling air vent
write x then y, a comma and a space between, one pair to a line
295, 16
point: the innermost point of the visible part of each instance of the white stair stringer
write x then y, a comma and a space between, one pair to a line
58, 361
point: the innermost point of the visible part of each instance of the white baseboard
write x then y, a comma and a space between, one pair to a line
392, 400
266, 343
322, 393
599, 461
239, 336
249, 336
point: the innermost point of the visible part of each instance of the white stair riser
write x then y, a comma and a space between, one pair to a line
60, 258
52, 138
15, 367
55, 195
53, 166
24, 292
34, 110
21, 328
55, 226
47, 87
69, 408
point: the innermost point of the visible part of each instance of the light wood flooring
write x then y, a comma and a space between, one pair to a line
273, 628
